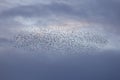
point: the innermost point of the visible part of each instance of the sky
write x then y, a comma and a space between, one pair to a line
59, 40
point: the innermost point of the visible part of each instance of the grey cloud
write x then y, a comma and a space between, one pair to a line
5, 44
3, 40
38, 10
21, 66
96, 11
17, 64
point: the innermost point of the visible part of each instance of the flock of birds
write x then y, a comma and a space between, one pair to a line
57, 41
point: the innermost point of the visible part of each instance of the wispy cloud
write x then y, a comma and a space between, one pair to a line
17, 15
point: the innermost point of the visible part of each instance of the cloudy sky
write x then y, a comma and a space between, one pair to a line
59, 39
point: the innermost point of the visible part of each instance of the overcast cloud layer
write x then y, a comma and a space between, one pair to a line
47, 35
